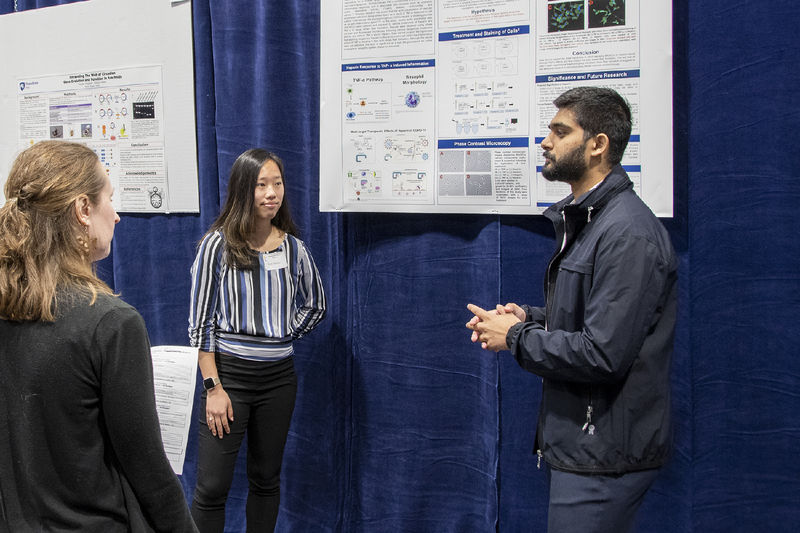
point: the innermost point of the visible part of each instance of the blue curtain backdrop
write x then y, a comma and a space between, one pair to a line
404, 425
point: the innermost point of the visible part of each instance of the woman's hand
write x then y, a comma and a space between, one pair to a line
219, 411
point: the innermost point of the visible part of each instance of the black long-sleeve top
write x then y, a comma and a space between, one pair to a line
80, 443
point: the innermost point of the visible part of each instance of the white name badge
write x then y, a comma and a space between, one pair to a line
276, 261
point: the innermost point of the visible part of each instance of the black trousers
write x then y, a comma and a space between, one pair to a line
596, 503
263, 396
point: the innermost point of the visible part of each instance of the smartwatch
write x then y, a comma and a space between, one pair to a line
210, 383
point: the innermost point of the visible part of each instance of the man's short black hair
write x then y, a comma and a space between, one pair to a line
600, 110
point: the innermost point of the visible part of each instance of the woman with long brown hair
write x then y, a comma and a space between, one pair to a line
81, 445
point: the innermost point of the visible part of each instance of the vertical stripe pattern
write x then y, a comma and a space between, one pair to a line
254, 314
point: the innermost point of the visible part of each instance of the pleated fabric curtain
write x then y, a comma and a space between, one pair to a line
401, 423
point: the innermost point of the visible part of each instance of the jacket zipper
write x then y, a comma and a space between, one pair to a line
549, 267
547, 311
588, 426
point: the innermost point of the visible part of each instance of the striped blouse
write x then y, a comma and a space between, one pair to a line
254, 314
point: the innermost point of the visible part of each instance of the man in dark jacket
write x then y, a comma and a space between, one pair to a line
603, 341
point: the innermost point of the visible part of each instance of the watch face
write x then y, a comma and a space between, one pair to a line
208, 383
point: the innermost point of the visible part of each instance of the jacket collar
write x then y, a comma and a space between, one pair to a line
614, 183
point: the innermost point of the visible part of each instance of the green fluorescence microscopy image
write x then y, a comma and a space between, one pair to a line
605, 13
566, 16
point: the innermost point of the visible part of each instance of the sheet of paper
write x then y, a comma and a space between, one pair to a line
174, 373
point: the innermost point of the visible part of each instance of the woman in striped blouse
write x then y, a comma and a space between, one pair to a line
255, 289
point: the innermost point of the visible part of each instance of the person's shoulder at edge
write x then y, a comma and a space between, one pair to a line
632, 220
633, 214
297, 241
214, 236
80, 303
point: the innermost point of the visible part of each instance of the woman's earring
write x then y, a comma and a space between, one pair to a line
83, 240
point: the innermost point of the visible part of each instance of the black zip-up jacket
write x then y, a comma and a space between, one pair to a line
604, 341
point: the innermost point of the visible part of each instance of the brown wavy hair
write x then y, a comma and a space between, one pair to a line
236, 220
44, 249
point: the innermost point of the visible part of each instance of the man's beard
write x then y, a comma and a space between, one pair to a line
569, 168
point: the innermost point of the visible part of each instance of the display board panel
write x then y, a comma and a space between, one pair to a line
439, 105
116, 75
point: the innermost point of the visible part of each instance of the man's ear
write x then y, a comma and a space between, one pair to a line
600, 145
83, 207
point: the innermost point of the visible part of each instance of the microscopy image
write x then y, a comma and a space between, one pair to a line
451, 160
479, 161
605, 13
566, 16
451, 185
479, 184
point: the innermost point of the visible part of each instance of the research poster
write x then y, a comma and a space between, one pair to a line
440, 105
119, 113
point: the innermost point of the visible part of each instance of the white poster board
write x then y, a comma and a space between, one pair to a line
440, 107
116, 75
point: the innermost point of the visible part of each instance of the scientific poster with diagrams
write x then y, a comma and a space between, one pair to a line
440, 105
118, 113
130, 97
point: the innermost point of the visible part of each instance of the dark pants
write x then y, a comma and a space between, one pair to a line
595, 504
262, 395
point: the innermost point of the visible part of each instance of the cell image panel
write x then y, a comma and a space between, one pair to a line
451, 160
451, 184
606, 13
479, 161
412, 99
144, 110
567, 16
479, 184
